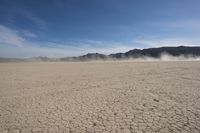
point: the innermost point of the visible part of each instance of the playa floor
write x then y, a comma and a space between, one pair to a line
108, 97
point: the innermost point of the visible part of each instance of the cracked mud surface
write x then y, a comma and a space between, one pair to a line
108, 97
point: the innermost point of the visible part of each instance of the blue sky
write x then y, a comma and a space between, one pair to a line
59, 28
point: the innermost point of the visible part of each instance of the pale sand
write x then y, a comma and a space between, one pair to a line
100, 97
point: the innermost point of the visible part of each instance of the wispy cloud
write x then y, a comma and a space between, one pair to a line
178, 24
29, 34
41, 23
192, 24
158, 42
14, 43
17, 43
10, 37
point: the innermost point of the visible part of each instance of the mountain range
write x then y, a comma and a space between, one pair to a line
184, 51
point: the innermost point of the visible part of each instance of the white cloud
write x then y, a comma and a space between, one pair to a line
10, 37
29, 34
34, 18
41, 23
191, 24
14, 43
167, 42
178, 25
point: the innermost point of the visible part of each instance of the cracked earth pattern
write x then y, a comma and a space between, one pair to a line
101, 97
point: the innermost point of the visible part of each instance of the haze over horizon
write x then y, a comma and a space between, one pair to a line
60, 28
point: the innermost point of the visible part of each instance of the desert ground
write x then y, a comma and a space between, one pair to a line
108, 97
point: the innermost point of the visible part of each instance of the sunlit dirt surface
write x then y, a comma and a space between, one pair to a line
100, 97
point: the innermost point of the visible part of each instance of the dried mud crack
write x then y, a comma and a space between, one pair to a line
101, 97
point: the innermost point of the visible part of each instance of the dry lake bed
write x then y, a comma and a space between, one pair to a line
103, 97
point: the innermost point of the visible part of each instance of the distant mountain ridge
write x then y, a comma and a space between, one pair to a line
184, 51
156, 52
139, 53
